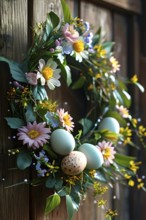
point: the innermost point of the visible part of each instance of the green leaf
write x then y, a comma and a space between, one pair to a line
50, 182
24, 160
100, 176
108, 46
50, 152
126, 98
29, 115
66, 11
15, 123
39, 93
87, 125
96, 37
72, 207
15, 70
65, 70
54, 19
79, 83
52, 202
58, 184
123, 160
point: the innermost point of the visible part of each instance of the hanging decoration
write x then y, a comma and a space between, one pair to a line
62, 158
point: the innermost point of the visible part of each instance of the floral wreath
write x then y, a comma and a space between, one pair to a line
67, 163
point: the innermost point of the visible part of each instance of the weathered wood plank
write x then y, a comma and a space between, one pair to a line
14, 201
121, 44
98, 17
130, 5
13, 28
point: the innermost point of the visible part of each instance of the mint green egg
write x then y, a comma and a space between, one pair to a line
93, 155
109, 123
62, 142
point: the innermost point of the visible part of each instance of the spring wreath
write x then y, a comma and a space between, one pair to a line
67, 161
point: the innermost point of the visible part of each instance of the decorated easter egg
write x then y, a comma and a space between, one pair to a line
74, 163
110, 124
93, 155
62, 142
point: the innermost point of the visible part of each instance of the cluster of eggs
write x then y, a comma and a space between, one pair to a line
75, 161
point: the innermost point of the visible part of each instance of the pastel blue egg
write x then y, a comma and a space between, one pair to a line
62, 142
93, 155
109, 123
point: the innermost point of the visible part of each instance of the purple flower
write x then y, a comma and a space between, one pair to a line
34, 135
31, 78
41, 172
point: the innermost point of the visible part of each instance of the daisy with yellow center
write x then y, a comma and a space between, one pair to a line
49, 74
78, 50
107, 151
34, 135
65, 120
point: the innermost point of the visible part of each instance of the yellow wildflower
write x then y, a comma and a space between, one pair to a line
101, 202
131, 183
134, 79
142, 131
127, 176
48, 105
140, 185
134, 166
99, 189
110, 213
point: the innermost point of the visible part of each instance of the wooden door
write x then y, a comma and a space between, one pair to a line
118, 20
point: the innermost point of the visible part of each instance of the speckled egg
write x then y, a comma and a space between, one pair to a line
62, 142
93, 155
74, 163
109, 123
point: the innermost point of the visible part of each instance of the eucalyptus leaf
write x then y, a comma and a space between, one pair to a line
15, 70
71, 206
50, 182
52, 202
29, 114
15, 123
24, 160
39, 93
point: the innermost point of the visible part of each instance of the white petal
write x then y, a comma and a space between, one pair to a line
41, 64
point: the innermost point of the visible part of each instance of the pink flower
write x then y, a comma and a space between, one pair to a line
65, 120
34, 135
31, 78
107, 151
123, 111
70, 34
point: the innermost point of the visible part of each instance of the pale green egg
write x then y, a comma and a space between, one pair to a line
74, 163
109, 123
93, 155
62, 142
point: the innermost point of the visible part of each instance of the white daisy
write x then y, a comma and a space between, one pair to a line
48, 74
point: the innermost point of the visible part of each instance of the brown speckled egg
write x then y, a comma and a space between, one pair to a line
74, 163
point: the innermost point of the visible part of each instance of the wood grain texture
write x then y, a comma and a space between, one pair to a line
13, 28
98, 17
121, 42
130, 5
